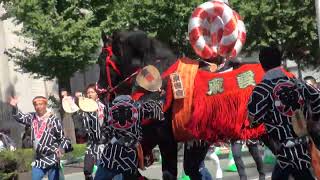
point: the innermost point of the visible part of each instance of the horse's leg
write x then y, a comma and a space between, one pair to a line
193, 160
161, 134
168, 150
148, 143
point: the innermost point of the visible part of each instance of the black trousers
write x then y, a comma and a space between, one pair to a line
254, 151
193, 157
283, 174
89, 162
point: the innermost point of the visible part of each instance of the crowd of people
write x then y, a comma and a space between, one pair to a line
114, 130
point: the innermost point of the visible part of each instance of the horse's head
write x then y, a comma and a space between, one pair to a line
102, 82
131, 47
110, 72
136, 50
131, 50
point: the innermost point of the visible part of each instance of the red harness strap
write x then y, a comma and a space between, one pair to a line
109, 63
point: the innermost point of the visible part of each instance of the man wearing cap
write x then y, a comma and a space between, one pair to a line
49, 142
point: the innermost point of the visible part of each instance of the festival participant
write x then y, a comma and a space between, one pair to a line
93, 122
274, 102
26, 137
315, 153
149, 86
6, 143
49, 142
124, 133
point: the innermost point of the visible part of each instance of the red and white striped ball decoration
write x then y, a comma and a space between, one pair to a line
216, 30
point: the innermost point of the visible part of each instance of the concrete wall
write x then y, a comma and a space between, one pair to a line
81, 79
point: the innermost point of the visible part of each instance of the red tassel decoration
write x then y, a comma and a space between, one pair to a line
223, 116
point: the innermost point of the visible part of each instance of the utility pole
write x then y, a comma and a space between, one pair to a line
317, 4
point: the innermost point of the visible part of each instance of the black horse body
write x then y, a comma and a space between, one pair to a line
133, 50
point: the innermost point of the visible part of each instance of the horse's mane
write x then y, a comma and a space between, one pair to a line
137, 45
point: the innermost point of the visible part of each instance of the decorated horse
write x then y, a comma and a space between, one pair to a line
204, 100
117, 75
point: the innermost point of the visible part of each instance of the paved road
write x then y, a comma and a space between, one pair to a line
154, 172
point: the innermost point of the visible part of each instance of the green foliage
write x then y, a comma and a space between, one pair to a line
60, 31
8, 176
8, 162
66, 32
53, 102
13, 162
163, 19
77, 153
289, 24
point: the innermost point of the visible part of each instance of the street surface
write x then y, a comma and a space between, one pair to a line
154, 172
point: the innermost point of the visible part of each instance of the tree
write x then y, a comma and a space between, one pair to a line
64, 40
289, 24
317, 7
66, 32
165, 20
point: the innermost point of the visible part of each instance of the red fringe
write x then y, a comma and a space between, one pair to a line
223, 116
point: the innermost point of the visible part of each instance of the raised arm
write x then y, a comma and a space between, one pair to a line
18, 115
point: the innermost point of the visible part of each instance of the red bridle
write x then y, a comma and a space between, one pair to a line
109, 62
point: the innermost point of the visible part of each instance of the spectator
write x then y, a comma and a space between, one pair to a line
6, 143
64, 93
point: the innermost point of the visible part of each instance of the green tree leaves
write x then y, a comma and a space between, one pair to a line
63, 36
66, 32
290, 24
